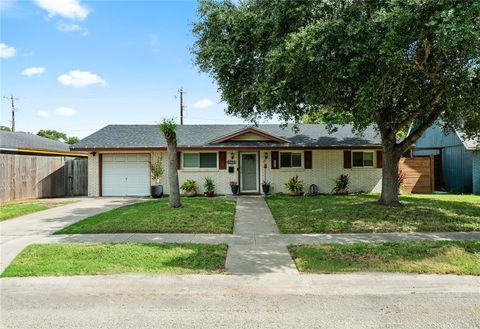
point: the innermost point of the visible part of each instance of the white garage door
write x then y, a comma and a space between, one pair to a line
126, 174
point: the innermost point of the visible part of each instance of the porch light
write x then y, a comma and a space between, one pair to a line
266, 155
232, 155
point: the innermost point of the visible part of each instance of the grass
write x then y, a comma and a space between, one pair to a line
441, 257
361, 213
199, 215
93, 258
16, 209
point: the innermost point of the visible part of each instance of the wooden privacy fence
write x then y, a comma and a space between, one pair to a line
27, 177
419, 174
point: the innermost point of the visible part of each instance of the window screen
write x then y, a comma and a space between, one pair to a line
200, 160
289, 159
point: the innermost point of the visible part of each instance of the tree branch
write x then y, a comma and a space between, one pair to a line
431, 118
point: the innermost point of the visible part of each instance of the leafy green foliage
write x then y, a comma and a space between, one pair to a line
208, 184
199, 215
441, 257
168, 127
360, 214
341, 184
156, 169
385, 62
57, 136
294, 184
5, 128
108, 258
189, 185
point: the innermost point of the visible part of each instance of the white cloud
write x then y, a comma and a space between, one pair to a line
65, 111
37, 70
80, 79
43, 114
61, 26
7, 51
72, 9
203, 103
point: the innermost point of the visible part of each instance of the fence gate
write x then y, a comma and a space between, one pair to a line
419, 174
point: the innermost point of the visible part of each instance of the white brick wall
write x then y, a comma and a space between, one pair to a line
326, 166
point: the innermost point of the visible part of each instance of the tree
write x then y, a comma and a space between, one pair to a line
57, 136
390, 63
5, 128
52, 134
168, 128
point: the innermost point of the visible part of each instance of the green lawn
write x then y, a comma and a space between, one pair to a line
92, 258
361, 213
199, 215
442, 257
16, 209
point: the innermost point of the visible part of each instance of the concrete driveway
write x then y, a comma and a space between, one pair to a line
232, 301
17, 233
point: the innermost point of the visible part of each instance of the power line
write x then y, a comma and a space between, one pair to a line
12, 99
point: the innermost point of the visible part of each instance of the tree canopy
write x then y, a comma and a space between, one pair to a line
57, 136
388, 62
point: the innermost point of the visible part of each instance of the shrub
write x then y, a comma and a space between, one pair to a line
156, 169
189, 185
233, 183
341, 184
294, 184
208, 184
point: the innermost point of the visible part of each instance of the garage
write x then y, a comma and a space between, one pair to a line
125, 174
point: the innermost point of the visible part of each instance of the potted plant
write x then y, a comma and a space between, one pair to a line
234, 186
265, 187
341, 184
156, 170
189, 187
294, 186
209, 187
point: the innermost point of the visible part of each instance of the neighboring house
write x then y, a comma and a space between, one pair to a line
120, 155
27, 143
460, 158
36, 167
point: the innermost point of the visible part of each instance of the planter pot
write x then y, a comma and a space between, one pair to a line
234, 188
190, 193
156, 191
295, 193
266, 189
210, 194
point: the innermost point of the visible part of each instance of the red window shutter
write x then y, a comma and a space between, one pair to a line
275, 163
179, 160
347, 159
308, 159
222, 160
379, 159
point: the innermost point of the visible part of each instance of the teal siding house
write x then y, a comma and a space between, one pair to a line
460, 158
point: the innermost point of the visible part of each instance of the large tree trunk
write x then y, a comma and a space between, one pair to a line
174, 198
391, 157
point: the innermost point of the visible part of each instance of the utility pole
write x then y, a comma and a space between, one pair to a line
12, 99
181, 105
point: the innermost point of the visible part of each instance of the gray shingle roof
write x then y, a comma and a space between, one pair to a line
137, 136
15, 140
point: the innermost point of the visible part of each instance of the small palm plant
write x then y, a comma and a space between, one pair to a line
209, 186
189, 187
294, 186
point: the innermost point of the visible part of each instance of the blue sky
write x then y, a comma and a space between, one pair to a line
80, 65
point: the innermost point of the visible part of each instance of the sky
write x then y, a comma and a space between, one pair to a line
77, 66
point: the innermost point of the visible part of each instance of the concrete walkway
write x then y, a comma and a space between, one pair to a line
253, 218
17, 233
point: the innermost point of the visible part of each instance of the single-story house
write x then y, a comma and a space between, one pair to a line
119, 157
460, 158
30, 144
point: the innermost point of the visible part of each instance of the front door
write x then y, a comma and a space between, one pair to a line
249, 172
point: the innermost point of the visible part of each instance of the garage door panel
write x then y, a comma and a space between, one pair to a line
126, 174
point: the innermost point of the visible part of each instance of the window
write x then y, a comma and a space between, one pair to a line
362, 159
199, 160
290, 159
